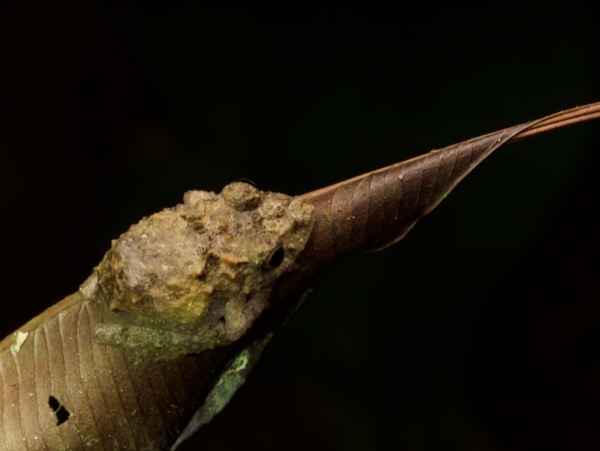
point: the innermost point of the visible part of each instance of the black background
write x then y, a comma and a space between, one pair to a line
479, 331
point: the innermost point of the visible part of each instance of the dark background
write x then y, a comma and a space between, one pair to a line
479, 331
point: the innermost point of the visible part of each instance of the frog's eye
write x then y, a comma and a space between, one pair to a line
245, 180
275, 259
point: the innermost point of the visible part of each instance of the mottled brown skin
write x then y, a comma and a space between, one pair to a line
196, 276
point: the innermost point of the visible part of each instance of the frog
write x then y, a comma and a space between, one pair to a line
196, 276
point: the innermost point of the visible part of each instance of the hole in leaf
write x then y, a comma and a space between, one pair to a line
62, 414
276, 258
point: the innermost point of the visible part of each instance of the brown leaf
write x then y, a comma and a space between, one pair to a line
375, 210
63, 389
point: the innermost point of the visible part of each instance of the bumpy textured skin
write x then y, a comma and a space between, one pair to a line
196, 276
134, 355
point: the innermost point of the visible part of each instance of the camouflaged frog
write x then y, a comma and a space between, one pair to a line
196, 276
